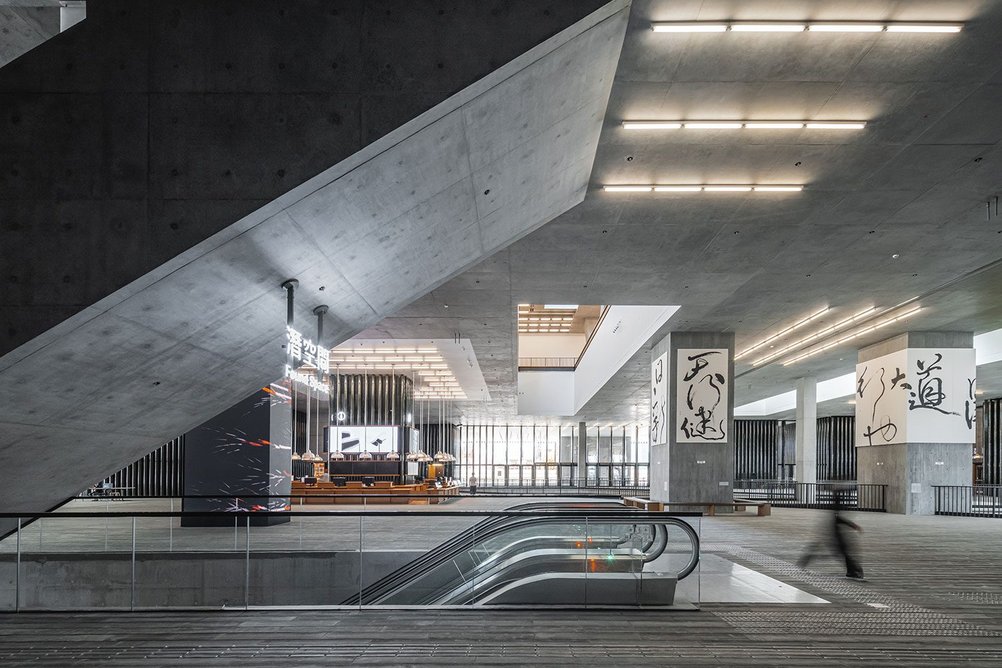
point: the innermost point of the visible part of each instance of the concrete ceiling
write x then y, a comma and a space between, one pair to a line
24, 24
367, 236
913, 183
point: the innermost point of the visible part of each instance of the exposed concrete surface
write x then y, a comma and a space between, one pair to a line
416, 207
24, 24
59, 581
914, 182
682, 472
153, 125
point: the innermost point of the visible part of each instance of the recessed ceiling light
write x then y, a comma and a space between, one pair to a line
689, 27
845, 27
812, 26
677, 189
651, 125
924, 27
716, 187
774, 125
768, 27
561, 307
674, 124
712, 125
835, 125
628, 189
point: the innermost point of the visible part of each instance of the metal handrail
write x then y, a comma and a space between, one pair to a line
968, 500
243, 521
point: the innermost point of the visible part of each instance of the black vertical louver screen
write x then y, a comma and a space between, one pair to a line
991, 411
160, 473
756, 445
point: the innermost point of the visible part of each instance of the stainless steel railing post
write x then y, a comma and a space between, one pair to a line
361, 529
247, 567
17, 570
132, 594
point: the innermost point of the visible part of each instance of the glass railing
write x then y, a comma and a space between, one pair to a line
143, 555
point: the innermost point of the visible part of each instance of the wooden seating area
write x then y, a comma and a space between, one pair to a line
382, 491
762, 508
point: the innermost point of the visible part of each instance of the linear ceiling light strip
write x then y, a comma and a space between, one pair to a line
705, 187
854, 335
795, 326
805, 26
831, 329
742, 124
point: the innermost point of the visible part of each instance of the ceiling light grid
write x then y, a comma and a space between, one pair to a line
783, 332
853, 335
831, 329
548, 319
806, 26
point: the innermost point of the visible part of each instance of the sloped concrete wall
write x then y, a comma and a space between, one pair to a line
152, 125
367, 236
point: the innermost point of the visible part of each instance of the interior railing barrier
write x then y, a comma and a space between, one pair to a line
791, 494
562, 363
969, 500
147, 557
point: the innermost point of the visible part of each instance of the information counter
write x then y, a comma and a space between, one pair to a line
380, 492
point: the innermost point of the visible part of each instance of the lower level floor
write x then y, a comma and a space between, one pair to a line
933, 596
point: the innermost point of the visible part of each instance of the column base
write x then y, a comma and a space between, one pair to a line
910, 470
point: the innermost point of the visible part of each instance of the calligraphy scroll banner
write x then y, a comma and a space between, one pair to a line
701, 389
659, 400
918, 395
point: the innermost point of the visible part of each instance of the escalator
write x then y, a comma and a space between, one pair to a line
546, 553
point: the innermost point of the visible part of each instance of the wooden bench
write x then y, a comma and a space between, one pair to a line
762, 508
643, 504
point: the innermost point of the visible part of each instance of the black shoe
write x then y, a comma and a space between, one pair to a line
857, 578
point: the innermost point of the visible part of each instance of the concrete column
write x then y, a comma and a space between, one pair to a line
807, 431
696, 462
915, 414
582, 451
71, 12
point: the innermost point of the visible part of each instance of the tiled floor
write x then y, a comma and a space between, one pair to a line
934, 597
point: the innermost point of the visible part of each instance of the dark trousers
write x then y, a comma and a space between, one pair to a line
844, 543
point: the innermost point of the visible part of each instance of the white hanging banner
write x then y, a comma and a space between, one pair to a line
701, 387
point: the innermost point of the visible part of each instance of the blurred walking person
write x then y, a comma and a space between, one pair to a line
840, 541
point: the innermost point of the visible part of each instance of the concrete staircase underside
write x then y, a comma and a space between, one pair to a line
378, 230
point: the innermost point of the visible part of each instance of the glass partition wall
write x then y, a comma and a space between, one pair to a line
550, 455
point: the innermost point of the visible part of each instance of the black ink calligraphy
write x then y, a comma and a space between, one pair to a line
929, 393
705, 393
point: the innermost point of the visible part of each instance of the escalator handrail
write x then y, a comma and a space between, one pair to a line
399, 578
421, 563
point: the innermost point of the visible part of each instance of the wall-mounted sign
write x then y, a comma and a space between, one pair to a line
305, 351
308, 379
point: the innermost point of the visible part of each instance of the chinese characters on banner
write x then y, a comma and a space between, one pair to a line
701, 387
659, 400
921, 395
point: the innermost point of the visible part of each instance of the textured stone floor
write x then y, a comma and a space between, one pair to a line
934, 597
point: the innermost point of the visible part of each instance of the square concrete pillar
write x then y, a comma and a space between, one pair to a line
915, 415
806, 468
692, 418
